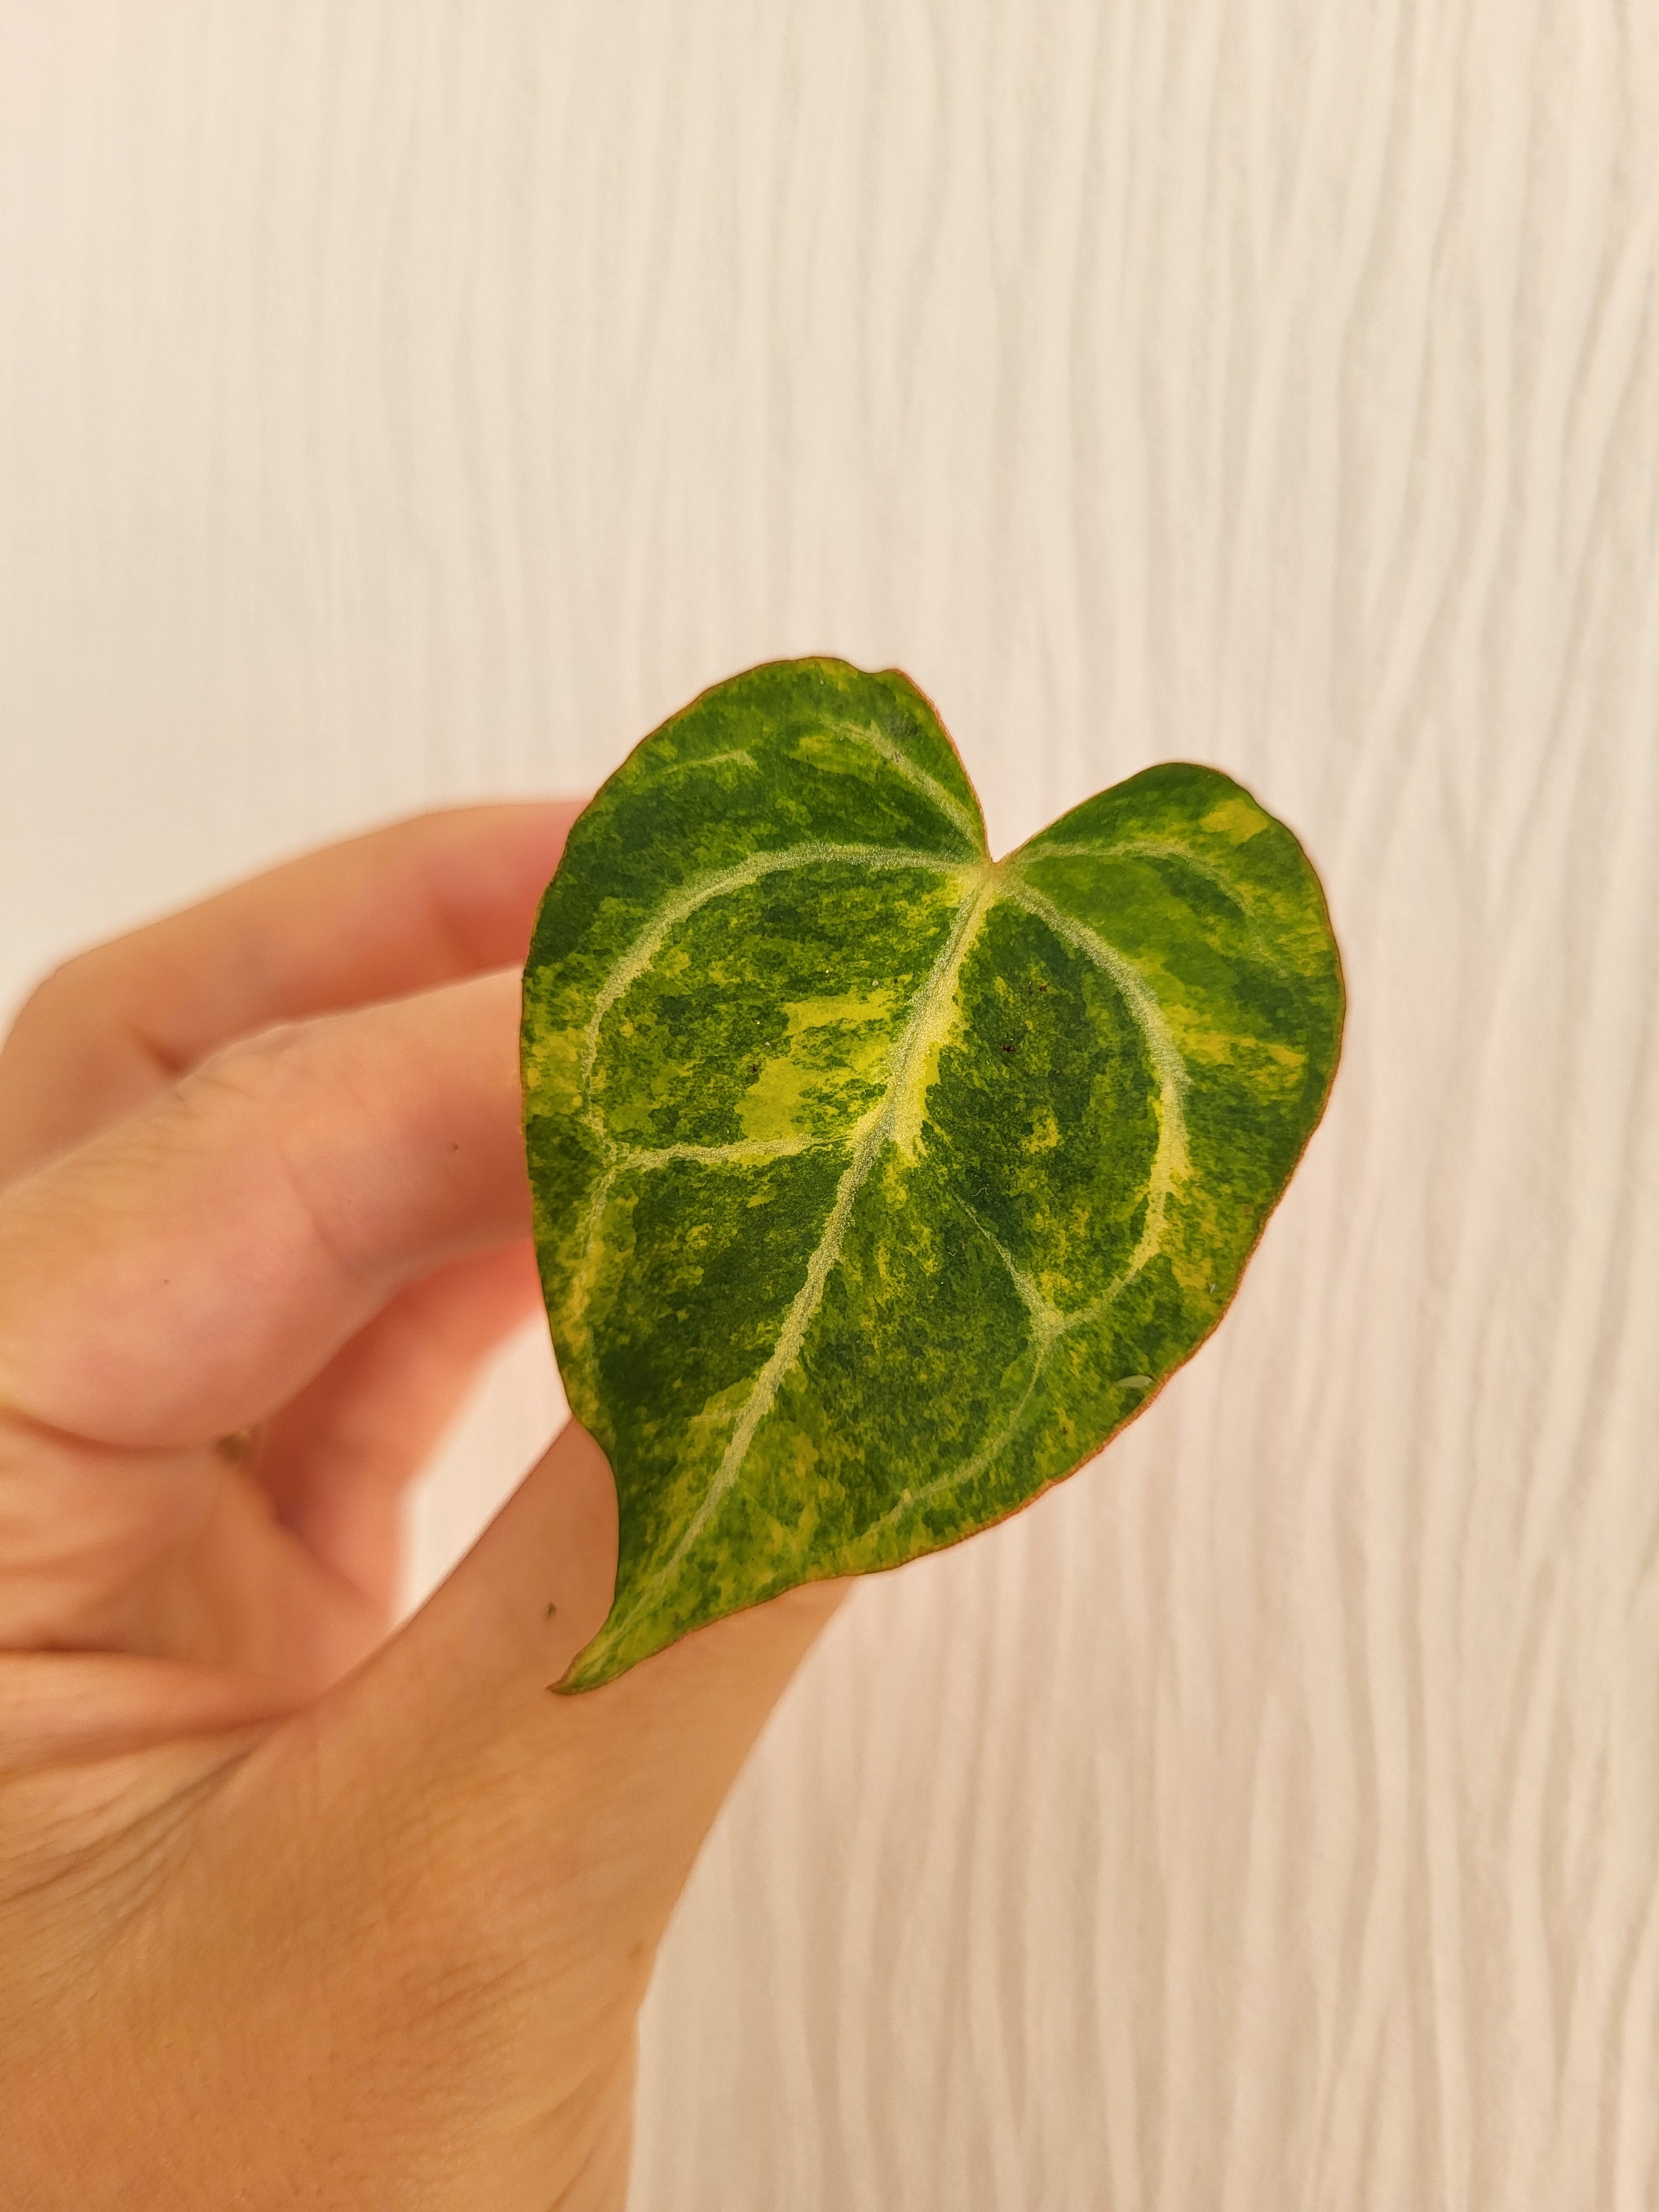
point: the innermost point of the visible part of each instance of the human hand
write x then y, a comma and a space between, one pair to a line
293, 1910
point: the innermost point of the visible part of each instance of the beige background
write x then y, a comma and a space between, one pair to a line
401, 402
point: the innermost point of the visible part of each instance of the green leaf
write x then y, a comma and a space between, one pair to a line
878, 1184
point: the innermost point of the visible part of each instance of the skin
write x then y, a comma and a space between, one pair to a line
294, 1910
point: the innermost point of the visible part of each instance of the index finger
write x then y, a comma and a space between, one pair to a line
183, 1273
422, 902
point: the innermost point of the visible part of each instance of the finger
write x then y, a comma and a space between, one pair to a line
185, 1272
468, 1834
422, 902
623, 1781
337, 1460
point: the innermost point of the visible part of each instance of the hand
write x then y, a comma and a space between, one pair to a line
293, 1910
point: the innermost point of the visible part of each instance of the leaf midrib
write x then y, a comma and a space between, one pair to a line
930, 1003
992, 883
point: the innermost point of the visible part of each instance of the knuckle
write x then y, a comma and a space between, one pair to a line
274, 1068
58, 997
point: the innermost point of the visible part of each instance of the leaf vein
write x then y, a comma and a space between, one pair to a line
1169, 1163
930, 786
650, 941
1170, 1160
1165, 848
930, 1003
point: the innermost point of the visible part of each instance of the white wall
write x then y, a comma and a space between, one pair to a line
402, 401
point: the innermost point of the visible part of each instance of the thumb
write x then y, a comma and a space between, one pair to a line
468, 1878
594, 1804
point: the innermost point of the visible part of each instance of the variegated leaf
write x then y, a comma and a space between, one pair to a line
877, 1184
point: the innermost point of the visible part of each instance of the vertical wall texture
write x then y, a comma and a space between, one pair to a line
403, 401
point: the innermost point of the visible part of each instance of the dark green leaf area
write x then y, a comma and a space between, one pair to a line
1075, 1383
770, 1014
1043, 1116
721, 1246
918, 1336
1215, 904
921, 1336
1249, 1045
795, 754
567, 1159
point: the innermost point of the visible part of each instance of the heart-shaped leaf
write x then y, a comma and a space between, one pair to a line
876, 1184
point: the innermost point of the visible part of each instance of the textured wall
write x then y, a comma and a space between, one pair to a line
400, 402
